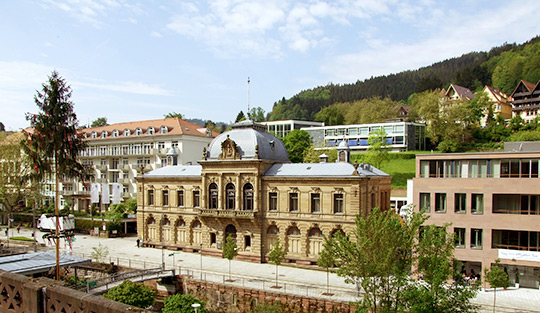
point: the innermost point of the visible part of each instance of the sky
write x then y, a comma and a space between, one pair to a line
134, 60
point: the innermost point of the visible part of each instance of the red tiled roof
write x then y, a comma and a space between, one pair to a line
175, 126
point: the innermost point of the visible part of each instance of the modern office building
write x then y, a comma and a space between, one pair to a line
492, 201
401, 136
117, 153
282, 128
245, 186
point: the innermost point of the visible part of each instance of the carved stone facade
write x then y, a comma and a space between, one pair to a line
257, 197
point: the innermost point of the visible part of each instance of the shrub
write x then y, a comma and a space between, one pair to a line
131, 293
180, 303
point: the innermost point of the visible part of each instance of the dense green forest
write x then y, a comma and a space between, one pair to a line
502, 67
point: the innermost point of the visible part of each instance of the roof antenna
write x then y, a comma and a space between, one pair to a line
248, 114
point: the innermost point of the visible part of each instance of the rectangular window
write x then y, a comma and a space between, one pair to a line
293, 202
459, 234
440, 202
272, 203
425, 201
315, 203
150, 196
180, 198
477, 203
476, 238
338, 203
165, 197
460, 201
196, 199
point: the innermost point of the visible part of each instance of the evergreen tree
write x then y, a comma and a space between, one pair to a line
53, 144
240, 117
174, 115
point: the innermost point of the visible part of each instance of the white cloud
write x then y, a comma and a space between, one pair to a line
129, 87
456, 34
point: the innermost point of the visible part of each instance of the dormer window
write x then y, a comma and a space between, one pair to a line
163, 130
150, 131
127, 132
93, 135
138, 132
104, 134
115, 133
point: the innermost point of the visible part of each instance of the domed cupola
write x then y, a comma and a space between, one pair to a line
247, 140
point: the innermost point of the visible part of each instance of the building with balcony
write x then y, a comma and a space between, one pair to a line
245, 186
117, 153
492, 201
501, 105
282, 128
526, 100
400, 136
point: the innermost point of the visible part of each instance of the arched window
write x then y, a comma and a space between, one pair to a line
315, 232
294, 231
127, 132
180, 223
272, 230
93, 135
196, 224
151, 221
138, 131
248, 197
115, 133
163, 130
150, 130
213, 196
165, 221
230, 194
104, 134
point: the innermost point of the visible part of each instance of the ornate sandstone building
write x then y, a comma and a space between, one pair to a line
245, 186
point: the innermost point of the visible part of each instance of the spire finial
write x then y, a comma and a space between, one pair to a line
248, 114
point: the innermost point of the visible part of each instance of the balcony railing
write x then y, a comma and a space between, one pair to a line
228, 213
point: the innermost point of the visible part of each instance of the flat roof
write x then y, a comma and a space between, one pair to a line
39, 262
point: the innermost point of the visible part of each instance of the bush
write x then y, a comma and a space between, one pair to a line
179, 303
131, 293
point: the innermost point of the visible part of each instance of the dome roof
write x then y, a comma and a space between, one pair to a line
250, 141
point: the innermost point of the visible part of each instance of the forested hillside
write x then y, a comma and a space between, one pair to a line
502, 67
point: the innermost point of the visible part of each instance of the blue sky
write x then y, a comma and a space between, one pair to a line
138, 60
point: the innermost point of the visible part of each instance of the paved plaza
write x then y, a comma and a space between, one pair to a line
124, 252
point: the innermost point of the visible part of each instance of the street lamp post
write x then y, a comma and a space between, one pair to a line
195, 306
200, 251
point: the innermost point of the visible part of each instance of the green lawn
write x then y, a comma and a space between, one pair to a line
401, 170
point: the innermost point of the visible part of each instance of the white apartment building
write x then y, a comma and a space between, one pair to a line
117, 153
283, 127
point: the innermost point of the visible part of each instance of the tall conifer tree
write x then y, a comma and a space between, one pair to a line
53, 143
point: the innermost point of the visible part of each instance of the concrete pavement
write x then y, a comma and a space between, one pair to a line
124, 252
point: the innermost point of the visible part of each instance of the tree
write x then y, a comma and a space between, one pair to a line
330, 115
377, 151
376, 256
53, 144
131, 293
240, 117
326, 260
435, 264
311, 155
173, 115
257, 114
14, 172
2, 127
276, 256
296, 142
230, 251
100, 253
496, 277
99, 122
181, 303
